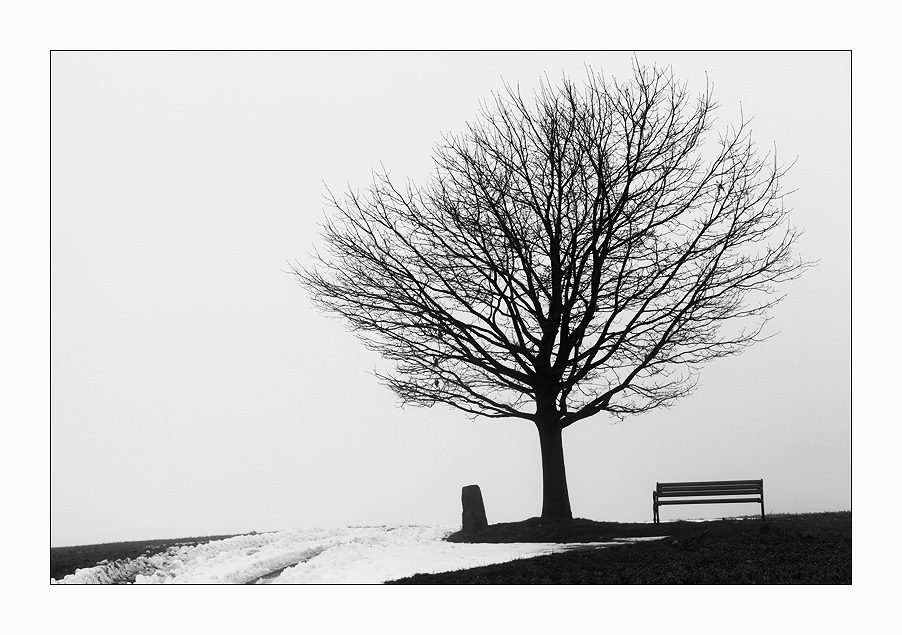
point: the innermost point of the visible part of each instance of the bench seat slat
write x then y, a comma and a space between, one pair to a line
709, 500
702, 492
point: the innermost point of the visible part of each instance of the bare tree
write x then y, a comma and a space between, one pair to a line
574, 254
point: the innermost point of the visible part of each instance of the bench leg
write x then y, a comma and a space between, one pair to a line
761, 484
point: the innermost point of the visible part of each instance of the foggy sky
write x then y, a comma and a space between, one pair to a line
195, 391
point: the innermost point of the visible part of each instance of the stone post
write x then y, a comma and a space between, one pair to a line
474, 509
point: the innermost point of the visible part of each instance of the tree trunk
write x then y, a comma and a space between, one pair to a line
555, 497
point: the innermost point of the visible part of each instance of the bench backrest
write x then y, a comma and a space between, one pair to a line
710, 488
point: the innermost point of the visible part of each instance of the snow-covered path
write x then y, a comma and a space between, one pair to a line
350, 555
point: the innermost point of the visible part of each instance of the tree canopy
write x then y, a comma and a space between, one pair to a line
583, 251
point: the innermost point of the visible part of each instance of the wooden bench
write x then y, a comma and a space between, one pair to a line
696, 493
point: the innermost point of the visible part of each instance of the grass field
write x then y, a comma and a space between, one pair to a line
784, 549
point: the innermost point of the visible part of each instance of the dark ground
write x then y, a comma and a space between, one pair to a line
784, 549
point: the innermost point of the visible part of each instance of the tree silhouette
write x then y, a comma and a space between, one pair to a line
582, 252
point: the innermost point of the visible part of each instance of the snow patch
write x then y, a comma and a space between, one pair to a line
349, 555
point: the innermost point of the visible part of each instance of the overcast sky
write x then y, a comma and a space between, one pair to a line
194, 389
